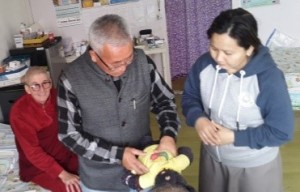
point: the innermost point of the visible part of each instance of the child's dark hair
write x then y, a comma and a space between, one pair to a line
171, 181
170, 188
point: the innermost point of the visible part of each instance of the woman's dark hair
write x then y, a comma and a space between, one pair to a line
239, 24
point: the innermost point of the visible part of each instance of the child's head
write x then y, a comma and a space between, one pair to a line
171, 181
170, 188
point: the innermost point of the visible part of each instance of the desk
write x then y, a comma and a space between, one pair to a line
165, 60
149, 51
10, 82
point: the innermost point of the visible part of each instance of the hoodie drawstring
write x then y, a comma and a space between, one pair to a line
224, 95
211, 99
243, 73
213, 90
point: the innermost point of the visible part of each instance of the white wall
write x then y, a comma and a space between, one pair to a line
284, 17
139, 15
12, 13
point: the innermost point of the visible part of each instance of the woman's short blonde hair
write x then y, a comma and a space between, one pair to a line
33, 71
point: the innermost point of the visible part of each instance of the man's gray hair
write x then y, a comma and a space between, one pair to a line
108, 29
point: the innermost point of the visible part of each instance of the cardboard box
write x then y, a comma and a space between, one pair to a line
38, 40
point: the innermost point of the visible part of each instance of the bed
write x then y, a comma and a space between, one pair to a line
9, 170
288, 60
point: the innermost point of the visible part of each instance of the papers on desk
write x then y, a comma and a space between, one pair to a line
13, 73
10, 82
12, 78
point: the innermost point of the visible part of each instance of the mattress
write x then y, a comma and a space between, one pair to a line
288, 60
9, 169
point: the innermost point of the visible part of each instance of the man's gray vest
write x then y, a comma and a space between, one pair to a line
120, 118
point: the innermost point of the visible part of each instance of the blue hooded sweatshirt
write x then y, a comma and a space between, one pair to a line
254, 103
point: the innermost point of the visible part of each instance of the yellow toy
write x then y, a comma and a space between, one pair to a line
162, 164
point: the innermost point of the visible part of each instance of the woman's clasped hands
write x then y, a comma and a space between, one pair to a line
212, 133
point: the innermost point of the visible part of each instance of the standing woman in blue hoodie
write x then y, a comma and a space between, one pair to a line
237, 100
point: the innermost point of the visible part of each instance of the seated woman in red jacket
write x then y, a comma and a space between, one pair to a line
43, 159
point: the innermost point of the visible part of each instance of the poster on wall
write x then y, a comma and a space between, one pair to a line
67, 12
257, 3
120, 1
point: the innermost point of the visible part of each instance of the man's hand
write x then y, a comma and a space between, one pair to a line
70, 180
167, 143
131, 162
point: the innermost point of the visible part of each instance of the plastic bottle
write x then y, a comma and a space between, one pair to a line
22, 28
